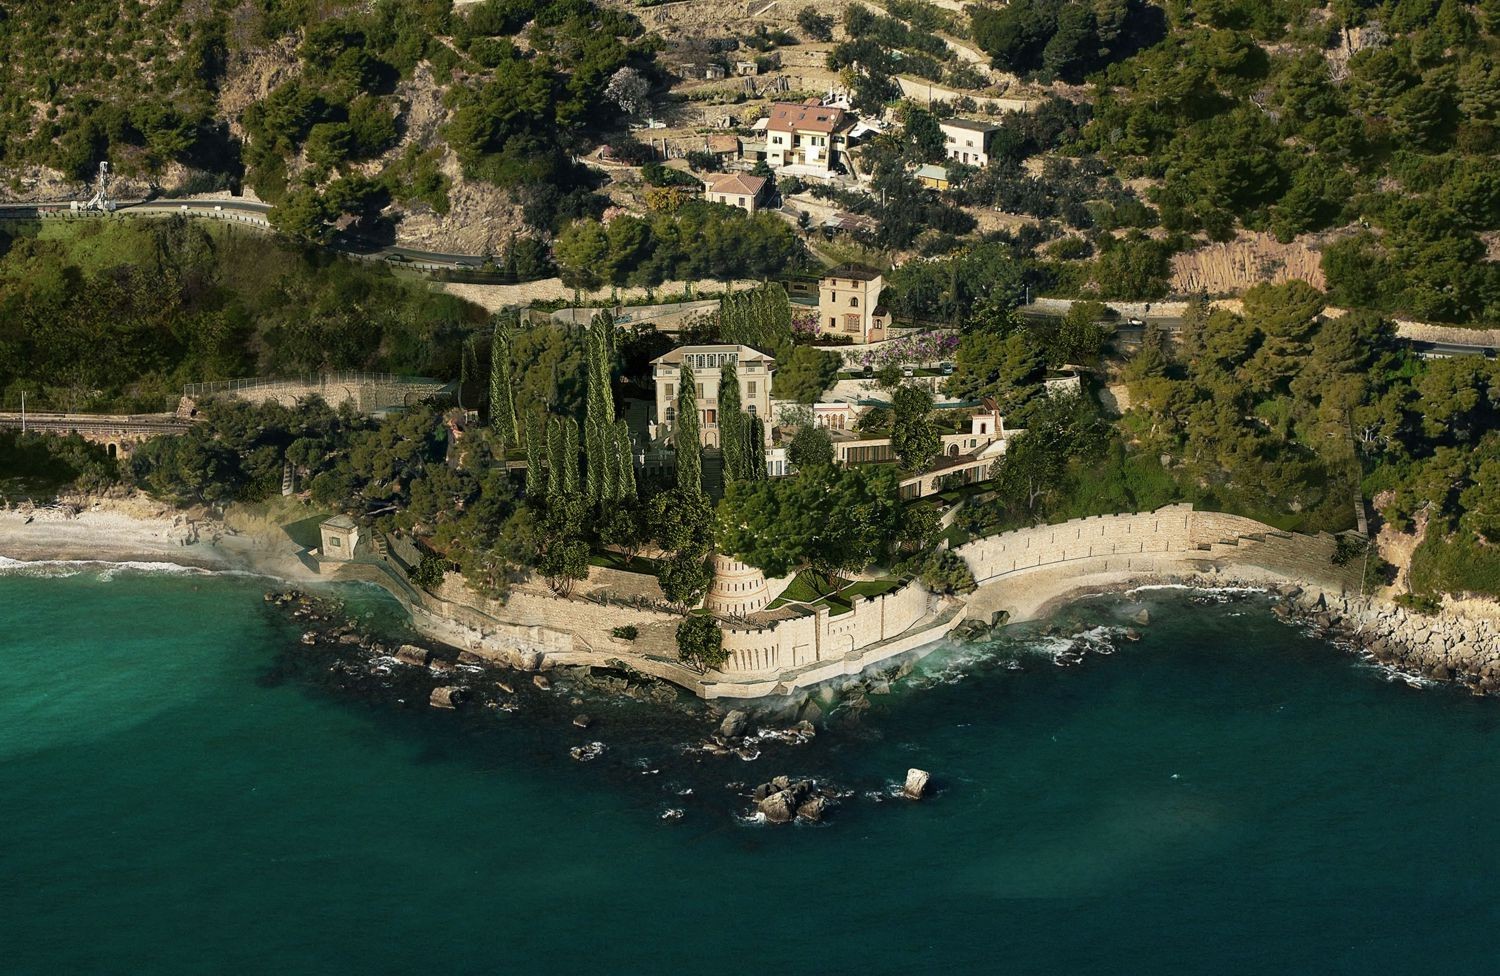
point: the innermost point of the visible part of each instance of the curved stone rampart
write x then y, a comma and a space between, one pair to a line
1175, 540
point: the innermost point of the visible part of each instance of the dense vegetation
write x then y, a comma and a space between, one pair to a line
142, 85
1255, 114
121, 315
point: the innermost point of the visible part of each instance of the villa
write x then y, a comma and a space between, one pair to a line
810, 136
754, 369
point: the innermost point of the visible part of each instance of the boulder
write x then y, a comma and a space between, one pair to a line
813, 809
506, 687
916, 783
542, 681
805, 728
734, 724
582, 721
447, 696
527, 660
469, 657
412, 654
1142, 617
779, 807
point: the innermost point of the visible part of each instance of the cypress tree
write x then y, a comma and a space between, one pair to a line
685, 434
502, 406
624, 455
755, 448
557, 479
536, 473
599, 407
731, 433
570, 455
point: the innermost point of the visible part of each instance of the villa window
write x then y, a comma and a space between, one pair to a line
751, 409
671, 415
750, 388
854, 301
669, 391
700, 391
711, 416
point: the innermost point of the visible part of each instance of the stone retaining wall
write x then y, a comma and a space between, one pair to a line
1174, 540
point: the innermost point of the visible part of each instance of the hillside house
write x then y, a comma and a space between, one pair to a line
807, 135
849, 304
968, 141
736, 190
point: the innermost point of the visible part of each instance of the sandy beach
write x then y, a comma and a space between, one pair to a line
137, 529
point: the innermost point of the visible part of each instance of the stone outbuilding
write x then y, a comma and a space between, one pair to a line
340, 538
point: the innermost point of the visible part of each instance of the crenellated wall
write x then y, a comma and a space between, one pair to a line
1171, 540
799, 642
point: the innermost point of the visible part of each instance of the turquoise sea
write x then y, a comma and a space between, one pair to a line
182, 791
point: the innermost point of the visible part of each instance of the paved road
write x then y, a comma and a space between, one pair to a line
1172, 322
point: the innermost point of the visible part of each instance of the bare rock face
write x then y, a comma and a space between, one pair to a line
916, 783
734, 724
527, 660
412, 654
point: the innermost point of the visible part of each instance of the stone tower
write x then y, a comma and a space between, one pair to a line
738, 590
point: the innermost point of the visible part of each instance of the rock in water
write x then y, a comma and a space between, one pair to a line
582, 721
448, 696
412, 654
1143, 617
813, 809
779, 807
916, 783
542, 681
734, 724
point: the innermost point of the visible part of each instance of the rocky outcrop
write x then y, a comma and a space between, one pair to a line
916, 784
447, 696
1445, 646
784, 799
734, 724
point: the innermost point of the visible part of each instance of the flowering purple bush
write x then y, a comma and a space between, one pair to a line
918, 348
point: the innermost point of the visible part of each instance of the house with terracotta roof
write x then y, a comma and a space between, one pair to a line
735, 189
809, 135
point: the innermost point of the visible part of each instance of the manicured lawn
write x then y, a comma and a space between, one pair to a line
814, 589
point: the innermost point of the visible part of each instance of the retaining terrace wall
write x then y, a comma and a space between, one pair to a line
799, 642
1171, 540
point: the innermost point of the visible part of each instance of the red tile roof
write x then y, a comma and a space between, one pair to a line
805, 118
737, 183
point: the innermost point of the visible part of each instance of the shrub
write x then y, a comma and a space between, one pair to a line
628, 632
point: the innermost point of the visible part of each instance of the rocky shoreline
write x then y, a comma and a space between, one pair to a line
1444, 647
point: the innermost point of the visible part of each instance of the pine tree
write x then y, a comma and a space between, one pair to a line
685, 434
502, 404
731, 432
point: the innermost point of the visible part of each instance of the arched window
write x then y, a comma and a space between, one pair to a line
751, 409
671, 414
854, 301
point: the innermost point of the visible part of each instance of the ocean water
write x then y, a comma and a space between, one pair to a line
181, 793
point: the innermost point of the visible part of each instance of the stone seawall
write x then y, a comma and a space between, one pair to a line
1019, 572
